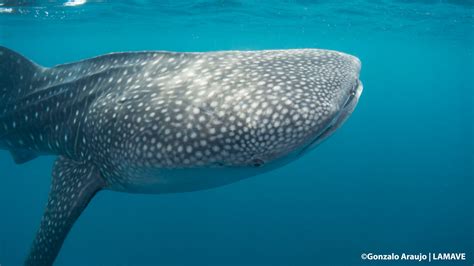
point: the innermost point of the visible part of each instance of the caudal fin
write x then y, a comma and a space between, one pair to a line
16, 75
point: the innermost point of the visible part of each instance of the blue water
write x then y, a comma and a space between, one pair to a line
397, 177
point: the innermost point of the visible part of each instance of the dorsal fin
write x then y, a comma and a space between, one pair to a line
16, 73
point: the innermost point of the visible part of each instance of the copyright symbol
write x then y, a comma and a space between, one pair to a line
363, 256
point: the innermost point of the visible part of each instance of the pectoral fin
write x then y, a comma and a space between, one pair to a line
74, 184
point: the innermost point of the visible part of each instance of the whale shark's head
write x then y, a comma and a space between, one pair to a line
346, 90
316, 91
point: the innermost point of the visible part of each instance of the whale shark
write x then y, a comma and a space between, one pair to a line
166, 122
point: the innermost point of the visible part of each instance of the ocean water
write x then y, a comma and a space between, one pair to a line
397, 177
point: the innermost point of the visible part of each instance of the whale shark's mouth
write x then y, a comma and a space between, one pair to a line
339, 119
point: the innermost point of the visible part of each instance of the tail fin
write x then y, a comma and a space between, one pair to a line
16, 74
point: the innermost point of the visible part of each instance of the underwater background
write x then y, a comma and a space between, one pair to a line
397, 177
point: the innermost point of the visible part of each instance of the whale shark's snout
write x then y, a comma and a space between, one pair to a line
338, 118
345, 100
321, 100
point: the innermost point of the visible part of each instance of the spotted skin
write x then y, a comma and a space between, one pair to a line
163, 122
65, 204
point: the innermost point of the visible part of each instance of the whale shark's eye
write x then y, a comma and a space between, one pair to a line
257, 162
352, 94
354, 88
218, 164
